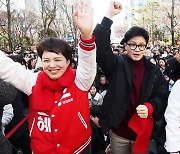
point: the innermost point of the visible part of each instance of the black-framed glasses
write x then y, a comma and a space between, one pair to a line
134, 46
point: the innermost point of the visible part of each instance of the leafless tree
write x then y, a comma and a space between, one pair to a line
7, 4
173, 21
48, 13
23, 23
148, 17
66, 10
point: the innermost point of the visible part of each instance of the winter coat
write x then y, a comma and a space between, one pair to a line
71, 103
120, 74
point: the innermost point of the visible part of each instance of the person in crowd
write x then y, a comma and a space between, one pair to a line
137, 90
153, 60
39, 63
100, 143
116, 51
94, 96
172, 116
18, 59
156, 53
59, 115
31, 64
103, 83
31, 60
124, 52
73, 64
174, 66
7, 95
162, 63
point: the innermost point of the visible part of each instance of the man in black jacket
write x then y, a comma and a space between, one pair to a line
137, 90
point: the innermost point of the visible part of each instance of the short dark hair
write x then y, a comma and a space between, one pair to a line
135, 31
94, 84
102, 76
55, 45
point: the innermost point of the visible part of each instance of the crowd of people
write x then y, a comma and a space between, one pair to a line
117, 99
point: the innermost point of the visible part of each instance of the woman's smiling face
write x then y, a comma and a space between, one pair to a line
54, 65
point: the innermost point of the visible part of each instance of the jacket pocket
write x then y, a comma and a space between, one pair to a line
82, 120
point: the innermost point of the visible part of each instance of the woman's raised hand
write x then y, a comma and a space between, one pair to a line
83, 18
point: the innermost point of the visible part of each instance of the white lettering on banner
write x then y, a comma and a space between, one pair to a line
44, 123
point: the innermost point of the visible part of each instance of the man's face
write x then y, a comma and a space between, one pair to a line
102, 80
136, 47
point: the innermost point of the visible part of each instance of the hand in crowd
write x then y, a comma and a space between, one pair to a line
26, 58
142, 111
166, 77
83, 19
108, 149
114, 8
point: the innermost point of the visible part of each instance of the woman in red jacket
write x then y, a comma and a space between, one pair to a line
59, 110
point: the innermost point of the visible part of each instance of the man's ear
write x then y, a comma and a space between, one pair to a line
125, 46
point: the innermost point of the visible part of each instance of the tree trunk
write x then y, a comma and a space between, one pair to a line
152, 25
9, 24
172, 22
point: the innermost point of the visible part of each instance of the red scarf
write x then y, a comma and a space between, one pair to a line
46, 91
143, 128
